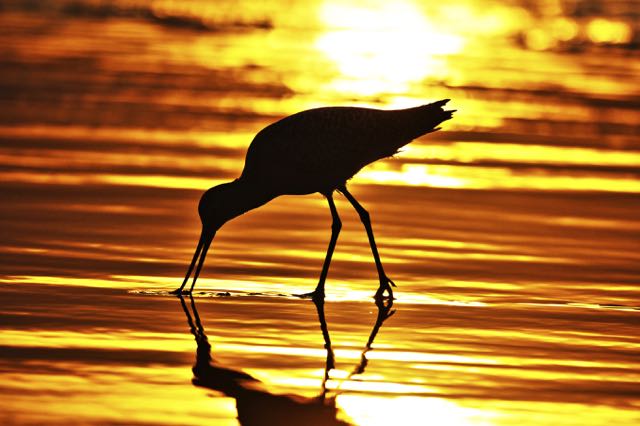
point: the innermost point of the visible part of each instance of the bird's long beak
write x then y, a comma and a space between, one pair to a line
206, 237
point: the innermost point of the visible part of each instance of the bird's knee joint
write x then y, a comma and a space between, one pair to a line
336, 225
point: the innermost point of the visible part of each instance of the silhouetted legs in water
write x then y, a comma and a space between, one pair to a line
336, 225
366, 221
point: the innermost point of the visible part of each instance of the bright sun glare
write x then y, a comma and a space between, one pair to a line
382, 47
411, 410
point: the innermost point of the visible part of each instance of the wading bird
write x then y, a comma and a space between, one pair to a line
316, 150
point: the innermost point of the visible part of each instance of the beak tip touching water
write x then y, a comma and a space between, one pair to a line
206, 237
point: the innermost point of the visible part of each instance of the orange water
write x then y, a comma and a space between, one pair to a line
513, 233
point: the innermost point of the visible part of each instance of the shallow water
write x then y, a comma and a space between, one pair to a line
513, 233
126, 358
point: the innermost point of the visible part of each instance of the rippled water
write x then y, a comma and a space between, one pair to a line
513, 233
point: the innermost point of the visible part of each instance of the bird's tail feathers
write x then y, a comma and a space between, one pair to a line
437, 106
440, 103
433, 114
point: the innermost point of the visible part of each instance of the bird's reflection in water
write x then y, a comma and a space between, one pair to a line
257, 406
384, 312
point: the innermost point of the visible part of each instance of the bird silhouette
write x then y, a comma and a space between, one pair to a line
317, 150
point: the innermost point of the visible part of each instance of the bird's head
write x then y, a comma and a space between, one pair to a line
217, 206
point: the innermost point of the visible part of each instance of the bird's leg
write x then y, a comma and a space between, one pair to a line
385, 282
336, 225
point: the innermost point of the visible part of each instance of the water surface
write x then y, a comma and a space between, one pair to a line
513, 233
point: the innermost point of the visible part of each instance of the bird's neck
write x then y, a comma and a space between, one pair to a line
246, 195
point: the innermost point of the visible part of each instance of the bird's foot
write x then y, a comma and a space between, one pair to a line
315, 295
180, 292
305, 295
385, 286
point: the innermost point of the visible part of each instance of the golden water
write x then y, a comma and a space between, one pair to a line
513, 233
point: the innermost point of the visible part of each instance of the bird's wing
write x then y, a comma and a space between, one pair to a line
315, 139
336, 142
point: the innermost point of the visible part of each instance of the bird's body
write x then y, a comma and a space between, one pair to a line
320, 149
316, 150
